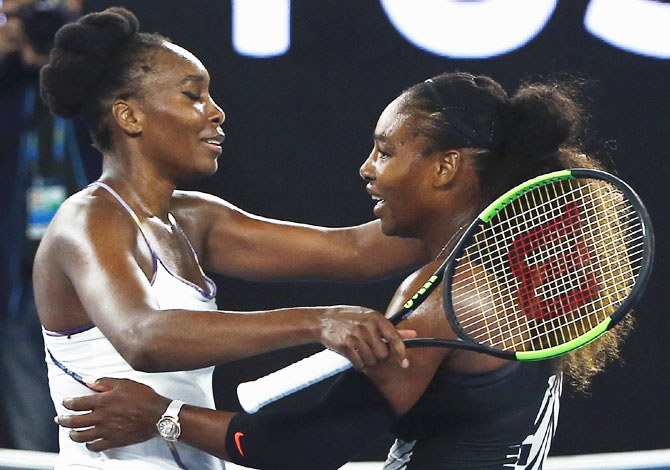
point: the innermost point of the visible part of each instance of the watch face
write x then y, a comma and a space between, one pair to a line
169, 428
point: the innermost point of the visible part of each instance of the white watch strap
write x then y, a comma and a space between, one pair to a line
173, 409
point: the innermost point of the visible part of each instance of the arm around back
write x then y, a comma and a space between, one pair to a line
239, 244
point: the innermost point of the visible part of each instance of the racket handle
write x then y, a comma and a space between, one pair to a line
257, 393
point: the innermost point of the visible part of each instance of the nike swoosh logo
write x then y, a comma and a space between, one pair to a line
238, 435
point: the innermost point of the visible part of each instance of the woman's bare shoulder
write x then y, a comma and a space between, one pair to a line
185, 203
86, 218
410, 285
201, 214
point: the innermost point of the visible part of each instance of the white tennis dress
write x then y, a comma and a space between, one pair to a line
86, 352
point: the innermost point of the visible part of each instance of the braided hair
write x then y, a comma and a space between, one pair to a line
95, 60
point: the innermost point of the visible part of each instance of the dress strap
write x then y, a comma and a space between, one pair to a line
208, 280
130, 211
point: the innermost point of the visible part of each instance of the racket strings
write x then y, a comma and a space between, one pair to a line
587, 324
517, 340
510, 303
498, 264
501, 260
615, 222
503, 237
577, 323
522, 218
550, 325
598, 223
609, 249
533, 327
614, 280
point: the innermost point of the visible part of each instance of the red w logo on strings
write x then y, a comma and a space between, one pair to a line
561, 253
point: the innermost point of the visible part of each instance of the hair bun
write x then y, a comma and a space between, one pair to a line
538, 119
81, 52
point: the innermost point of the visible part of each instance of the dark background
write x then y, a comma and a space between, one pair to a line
299, 125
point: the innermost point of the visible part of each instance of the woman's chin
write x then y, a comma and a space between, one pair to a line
199, 173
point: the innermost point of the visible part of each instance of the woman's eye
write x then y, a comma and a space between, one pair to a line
191, 95
383, 154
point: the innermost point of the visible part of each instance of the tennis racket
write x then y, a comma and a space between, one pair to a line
546, 268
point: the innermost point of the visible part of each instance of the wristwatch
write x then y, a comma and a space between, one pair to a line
168, 426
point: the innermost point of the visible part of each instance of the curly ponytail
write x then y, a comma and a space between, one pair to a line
537, 121
534, 131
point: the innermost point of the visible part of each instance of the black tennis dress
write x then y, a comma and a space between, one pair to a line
501, 420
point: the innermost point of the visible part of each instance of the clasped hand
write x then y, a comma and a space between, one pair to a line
363, 336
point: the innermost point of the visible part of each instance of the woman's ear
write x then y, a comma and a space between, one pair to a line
128, 117
448, 166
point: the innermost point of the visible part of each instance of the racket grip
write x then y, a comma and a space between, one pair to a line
257, 393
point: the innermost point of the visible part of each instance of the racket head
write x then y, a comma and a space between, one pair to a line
549, 266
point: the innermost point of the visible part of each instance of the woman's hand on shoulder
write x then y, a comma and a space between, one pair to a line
404, 387
363, 336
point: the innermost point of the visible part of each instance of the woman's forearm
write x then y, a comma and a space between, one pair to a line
206, 429
182, 340
168, 340
350, 416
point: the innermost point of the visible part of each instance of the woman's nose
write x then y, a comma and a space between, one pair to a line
366, 170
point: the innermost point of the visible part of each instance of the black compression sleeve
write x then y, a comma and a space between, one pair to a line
351, 414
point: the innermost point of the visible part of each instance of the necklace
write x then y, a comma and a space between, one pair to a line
446, 245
